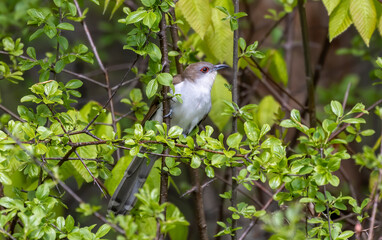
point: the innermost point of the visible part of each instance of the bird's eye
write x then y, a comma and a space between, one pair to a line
204, 69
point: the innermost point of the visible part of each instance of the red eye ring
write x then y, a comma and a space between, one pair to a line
204, 69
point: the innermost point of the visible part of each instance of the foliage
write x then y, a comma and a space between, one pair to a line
52, 139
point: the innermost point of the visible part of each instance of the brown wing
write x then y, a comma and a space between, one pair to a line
156, 103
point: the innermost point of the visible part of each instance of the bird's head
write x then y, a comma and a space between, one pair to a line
203, 73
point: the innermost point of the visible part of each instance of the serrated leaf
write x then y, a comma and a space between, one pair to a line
330, 5
339, 20
364, 17
197, 13
218, 39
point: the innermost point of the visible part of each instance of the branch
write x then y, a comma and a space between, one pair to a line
254, 220
335, 134
166, 118
62, 184
202, 225
104, 70
308, 71
11, 113
235, 99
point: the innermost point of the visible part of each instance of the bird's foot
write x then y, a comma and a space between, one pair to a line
169, 113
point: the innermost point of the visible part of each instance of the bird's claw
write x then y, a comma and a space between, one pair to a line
168, 114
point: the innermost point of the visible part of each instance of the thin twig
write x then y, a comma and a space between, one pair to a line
11, 113
104, 70
61, 183
335, 134
193, 189
166, 109
375, 207
2, 230
327, 201
254, 220
346, 96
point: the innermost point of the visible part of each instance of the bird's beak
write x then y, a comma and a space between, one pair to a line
220, 66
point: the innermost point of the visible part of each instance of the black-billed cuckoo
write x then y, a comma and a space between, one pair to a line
194, 85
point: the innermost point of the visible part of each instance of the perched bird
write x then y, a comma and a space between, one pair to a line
194, 85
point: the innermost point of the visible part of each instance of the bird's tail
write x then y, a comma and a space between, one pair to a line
135, 176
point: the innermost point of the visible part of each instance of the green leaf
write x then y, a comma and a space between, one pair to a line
234, 140
210, 172
60, 64
74, 84
368, 132
4, 178
275, 182
218, 40
148, 3
197, 13
346, 234
251, 131
330, 5
103, 230
242, 44
224, 10
151, 88
175, 132
164, 79
135, 16
28, 98
36, 34
154, 52
63, 42
50, 31
31, 52
266, 111
337, 108
117, 173
175, 171
354, 120
340, 19
149, 19
364, 16
195, 161
65, 26
219, 93
42, 191
50, 88
69, 223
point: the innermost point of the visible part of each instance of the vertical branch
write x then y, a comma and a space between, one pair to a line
198, 193
235, 99
308, 69
327, 202
166, 110
202, 225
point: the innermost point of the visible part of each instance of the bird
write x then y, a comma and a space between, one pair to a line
194, 85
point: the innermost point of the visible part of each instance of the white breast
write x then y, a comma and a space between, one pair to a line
196, 104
